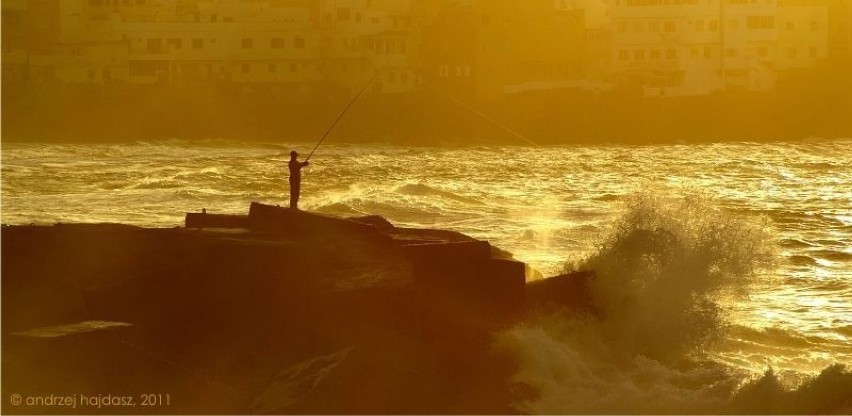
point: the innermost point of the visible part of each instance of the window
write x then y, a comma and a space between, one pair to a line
623, 55
276, 43
713, 25
655, 54
12, 19
143, 68
814, 52
175, 43
272, 68
197, 43
792, 53
639, 54
671, 54
344, 13
814, 25
155, 46
247, 43
760, 22
299, 42
246, 68
669, 26
708, 52
294, 67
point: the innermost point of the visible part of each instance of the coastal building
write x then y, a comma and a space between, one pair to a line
542, 47
43, 44
802, 34
477, 50
840, 31
698, 47
250, 43
99, 42
485, 50
15, 45
667, 49
366, 38
597, 63
750, 43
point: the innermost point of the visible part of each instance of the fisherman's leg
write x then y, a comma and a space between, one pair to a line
297, 192
294, 194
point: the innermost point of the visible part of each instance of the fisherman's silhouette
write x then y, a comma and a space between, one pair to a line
295, 178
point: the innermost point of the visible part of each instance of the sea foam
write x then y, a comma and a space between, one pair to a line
663, 275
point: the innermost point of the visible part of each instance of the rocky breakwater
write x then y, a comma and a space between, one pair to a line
276, 311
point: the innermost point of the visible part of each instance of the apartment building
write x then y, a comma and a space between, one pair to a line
802, 34
598, 41
667, 48
15, 47
252, 43
750, 44
41, 45
695, 47
840, 32
485, 50
474, 49
99, 42
365, 38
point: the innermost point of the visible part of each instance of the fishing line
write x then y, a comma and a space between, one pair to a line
342, 113
479, 113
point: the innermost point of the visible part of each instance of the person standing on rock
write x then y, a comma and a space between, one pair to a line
295, 178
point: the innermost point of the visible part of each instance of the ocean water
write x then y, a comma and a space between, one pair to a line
734, 257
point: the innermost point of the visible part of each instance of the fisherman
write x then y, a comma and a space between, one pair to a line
295, 178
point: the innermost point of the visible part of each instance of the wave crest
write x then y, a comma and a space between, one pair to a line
665, 265
661, 274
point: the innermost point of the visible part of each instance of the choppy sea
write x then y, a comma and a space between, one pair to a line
757, 246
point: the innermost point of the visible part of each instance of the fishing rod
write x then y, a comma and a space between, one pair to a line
340, 116
479, 113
